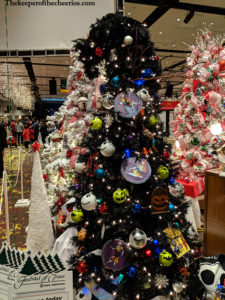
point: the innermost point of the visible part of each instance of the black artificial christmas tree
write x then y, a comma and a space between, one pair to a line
130, 206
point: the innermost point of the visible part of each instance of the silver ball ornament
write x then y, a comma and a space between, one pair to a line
138, 239
128, 40
176, 189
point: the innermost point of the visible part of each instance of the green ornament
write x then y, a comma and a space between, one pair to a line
77, 215
96, 123
190, 156
188, 96
120, 278
217, 77
195, 141
203, 148
163, 172
119, 196
210, 70
153, 120
165, 258
211, 77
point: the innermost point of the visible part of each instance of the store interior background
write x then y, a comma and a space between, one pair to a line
39, 48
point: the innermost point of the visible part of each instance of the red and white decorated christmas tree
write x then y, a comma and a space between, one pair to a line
199, 118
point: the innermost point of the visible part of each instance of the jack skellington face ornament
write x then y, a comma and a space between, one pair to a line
212, 273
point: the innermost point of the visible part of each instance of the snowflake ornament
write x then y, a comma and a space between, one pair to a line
108, 120
161, 281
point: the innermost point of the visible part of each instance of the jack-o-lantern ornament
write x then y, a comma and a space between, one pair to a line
81, 236
159, 201
119, 196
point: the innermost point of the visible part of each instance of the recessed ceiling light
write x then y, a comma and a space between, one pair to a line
129, 13
178, 20
174, 45
160, 32
211, 23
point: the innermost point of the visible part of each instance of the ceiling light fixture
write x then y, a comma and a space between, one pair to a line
178, 20
160, 32
189, 16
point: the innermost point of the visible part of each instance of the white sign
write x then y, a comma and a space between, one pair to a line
33, 277
49, 24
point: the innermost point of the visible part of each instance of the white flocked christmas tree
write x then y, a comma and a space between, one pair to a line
40, 235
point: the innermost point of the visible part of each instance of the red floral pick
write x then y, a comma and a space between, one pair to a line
98, 51
35, 146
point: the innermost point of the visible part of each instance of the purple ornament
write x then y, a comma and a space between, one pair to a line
136, 170
76, 186
127, 104
114, 255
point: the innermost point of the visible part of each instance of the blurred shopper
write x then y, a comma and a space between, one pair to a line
19, 131
13, 128
36, 128
3, 145
43, 131
31, 134
26, 136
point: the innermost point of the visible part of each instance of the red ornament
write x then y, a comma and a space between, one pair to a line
148, 252
103, 208
45, 176
35, 146
156, 57
82, 267
79, 76
166, 155
98, 51
68, 153
222, 65
60, 202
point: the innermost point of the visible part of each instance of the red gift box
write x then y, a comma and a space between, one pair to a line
194, 188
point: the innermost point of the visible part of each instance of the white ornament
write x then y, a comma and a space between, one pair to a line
144, 95
80, 167
128, 40
108, 120
161, 281
178, 287
89, 201
107, 149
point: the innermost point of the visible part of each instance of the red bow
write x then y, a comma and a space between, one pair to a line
35, 146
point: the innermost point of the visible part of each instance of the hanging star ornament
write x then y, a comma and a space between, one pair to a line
35, 146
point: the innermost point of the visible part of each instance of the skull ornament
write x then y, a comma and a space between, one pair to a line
144, 95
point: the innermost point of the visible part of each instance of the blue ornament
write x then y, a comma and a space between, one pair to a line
158, 250
120, 278
115, 81
100, 173
155, 94
156, 242
153, 142
127, 153
171, 207
178, 225
148, 73
100, 200
139, 82
172, 181
137, 208
132, 272
102, 89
